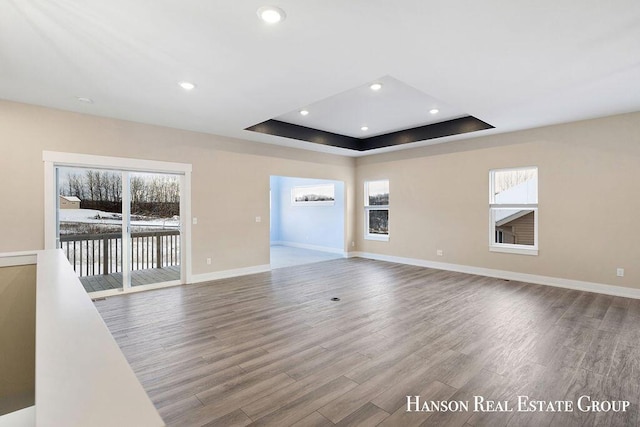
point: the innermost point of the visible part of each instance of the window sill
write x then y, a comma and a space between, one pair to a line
380, 238
514, 250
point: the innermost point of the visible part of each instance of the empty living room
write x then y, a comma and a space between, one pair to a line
319, 213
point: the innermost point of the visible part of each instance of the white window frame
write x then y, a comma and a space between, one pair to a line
368, 208
508, 247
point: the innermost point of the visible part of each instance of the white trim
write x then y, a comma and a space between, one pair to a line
50, 210
513, 249
126, 230
378, 237
133, 289
578, 285
197, 278
310, 247
225, 274
11, 259
185, 227
122, 163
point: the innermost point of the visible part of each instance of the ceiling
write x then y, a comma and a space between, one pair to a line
393, 107
515, 65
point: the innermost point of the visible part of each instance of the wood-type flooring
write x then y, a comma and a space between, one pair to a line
273, 349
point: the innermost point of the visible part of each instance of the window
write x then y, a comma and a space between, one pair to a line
376, 210
513, 210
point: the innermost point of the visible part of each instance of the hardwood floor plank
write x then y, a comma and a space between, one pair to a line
273, 349
384, 362
368, 415
623, 379
337, 410
225, 403
394, 397
305, 405
180, 388
313, 420
600, 353
170, 413
280, 398
236, 418
615, 315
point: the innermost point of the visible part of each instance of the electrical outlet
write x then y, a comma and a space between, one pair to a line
195, 220
208, 261
439, 252
258, 219
620, 272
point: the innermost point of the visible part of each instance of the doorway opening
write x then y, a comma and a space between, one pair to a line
306, 220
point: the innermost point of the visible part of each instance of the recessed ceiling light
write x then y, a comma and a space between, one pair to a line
187, 85
271, 14
434, 111
85, 100
304, 112
364, 128
376, 86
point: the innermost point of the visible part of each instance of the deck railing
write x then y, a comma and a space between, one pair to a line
93, 254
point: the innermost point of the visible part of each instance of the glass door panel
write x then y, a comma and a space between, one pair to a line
155, 228
90, 225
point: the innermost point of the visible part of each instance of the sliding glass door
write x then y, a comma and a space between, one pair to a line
119, 228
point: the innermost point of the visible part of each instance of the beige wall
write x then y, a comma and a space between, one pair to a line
17, 337
230, 181
589, 197
589, 181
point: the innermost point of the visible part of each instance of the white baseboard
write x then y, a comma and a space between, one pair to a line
310, 247
195, 278
225, 274
133, 289
619, 291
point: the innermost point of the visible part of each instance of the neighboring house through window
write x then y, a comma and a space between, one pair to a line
513, 210
376, 210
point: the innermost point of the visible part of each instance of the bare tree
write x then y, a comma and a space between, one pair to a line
91, 183
106, 186
138, 191
503, 180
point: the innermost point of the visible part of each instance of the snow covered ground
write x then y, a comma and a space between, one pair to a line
91, 216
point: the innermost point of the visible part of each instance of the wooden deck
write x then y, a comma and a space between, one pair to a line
103, 282
273, 349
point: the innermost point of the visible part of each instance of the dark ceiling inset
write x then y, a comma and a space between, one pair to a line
421, 133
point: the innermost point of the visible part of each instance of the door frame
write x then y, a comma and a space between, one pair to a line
54, 159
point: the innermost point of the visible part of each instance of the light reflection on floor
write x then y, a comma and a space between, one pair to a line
285, 256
